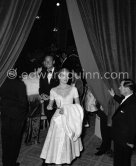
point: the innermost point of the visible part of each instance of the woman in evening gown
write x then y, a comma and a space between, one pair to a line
63, 142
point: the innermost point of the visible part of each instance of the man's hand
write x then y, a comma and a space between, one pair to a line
111, 92
44, 97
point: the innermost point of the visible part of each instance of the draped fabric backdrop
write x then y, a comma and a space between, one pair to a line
105, 36
16, 20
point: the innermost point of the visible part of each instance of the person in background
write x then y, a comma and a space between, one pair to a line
105, 146
48, 80
124, 123
63, 58
14, 109
32, 130
78, 83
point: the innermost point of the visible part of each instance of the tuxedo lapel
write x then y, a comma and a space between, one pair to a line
123, 105
44, 86
54, 76
127, 101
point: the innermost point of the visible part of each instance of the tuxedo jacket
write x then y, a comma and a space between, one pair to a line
13, 103
44, 86
124, 121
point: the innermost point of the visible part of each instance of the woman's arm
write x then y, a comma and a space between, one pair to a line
77, 100
76, 96
51, 101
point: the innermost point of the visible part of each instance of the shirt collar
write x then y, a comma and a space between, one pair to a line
52, 70
126, 97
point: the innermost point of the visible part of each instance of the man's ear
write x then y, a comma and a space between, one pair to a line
128, 89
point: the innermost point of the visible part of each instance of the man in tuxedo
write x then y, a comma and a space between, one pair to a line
48, 80
124, 123
14, 108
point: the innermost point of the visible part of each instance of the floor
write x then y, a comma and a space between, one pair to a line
29, 155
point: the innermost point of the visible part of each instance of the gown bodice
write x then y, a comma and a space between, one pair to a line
65, 96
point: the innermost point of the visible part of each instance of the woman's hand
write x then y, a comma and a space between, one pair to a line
61, 111
49, 107
41, 101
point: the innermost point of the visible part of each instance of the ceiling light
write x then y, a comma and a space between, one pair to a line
57, 4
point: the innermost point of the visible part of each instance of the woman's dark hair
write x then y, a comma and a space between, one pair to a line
63, 69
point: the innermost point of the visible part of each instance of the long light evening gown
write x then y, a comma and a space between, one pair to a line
63, 142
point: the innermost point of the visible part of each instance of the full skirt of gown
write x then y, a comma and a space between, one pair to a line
59, 148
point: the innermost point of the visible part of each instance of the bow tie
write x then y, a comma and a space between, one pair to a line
49, 71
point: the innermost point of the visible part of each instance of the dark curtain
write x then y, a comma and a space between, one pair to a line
16, 20
108, 27
90, 69
111, 29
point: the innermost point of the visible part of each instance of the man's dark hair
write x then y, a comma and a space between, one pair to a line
51, 55
130, 84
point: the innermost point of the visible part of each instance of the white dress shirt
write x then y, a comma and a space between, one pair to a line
49, 76
126, 98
